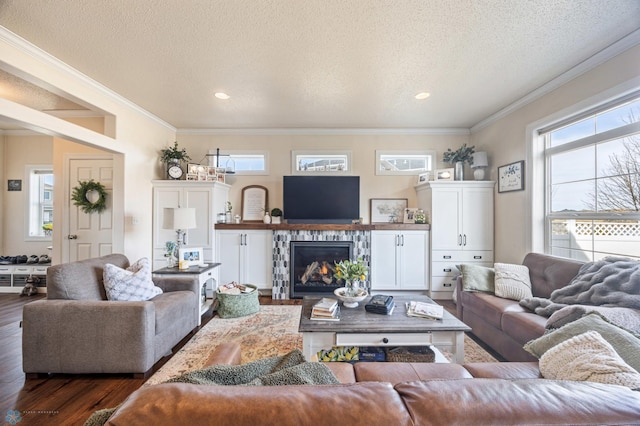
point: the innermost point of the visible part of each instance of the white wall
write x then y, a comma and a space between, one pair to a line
363, 149
505, 140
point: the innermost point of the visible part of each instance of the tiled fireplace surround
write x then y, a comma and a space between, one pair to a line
281, 255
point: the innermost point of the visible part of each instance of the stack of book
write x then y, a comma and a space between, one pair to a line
425, 310
326, 309
380, 304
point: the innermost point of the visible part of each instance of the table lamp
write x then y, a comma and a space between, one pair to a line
479, 163
179, 219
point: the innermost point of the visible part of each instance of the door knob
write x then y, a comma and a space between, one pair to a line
72, 237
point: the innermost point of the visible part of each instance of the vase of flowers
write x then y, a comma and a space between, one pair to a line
352, 273
463, 155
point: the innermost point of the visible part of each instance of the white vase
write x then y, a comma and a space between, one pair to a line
267, 218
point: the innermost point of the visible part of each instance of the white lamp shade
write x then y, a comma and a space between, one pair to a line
479, 160
179, 218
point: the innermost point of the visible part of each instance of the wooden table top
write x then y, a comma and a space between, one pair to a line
357, 320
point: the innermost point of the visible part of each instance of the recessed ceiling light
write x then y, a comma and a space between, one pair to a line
423, 95
222, 95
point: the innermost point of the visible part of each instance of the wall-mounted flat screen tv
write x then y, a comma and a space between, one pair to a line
321, 199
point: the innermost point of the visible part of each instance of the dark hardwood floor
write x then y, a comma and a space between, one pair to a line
65, 399
60, 399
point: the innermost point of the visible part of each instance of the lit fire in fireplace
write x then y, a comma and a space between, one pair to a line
318, 272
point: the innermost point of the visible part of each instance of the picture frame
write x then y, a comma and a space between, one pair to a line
255, 201
193, 255
444, 174
387, 210
409, 215
14, 185
424, 177
511, 177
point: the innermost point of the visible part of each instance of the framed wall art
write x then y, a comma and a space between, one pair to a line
254, 203
511, 177
387, 210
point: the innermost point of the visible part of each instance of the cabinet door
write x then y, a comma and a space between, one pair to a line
229, 247
383, 271
477, 218
414, 260
446, 232
256, 262
202, 234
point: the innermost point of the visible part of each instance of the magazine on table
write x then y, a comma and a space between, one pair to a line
425, 310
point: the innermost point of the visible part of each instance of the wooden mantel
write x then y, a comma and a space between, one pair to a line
327, 227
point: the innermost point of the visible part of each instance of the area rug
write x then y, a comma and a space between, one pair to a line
273, 331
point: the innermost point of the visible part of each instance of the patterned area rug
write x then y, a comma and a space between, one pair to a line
271, 332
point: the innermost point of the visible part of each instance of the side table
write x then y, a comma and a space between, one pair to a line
201, 273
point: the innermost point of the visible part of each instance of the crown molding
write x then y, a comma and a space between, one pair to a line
327, 131
620, 46
40, 55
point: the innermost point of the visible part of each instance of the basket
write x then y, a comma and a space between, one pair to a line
238, 305
410, 354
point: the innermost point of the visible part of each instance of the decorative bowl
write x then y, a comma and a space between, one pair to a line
350, 301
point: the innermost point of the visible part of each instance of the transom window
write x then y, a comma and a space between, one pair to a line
241, 162
320, 162
404, 162
593, 182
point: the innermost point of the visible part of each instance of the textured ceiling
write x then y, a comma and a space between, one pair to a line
322, 63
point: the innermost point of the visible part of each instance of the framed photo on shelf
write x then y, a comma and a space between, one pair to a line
424, 177
255, 201
193, 255
511, 177
444, 174
410, 215
387, 210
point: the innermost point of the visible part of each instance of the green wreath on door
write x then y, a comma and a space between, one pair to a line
85, 189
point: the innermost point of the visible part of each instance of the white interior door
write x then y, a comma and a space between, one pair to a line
90, 235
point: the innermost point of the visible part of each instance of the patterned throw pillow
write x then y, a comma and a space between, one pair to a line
588, 357
133, 283
512, 281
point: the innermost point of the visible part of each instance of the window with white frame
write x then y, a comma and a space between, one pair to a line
592, 188
39, 223
404, 162
241, 162
320, 162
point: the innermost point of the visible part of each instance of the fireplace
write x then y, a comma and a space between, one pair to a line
312, 265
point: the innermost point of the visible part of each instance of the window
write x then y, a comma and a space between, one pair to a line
593, 182
39, 198
320, 162
404, 162
241, 162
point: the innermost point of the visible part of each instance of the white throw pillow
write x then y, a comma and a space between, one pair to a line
512, 281
588, 357
133, 283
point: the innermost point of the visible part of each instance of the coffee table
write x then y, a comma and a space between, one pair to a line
358, 327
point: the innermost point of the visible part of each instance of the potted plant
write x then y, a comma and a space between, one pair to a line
172, 157
276, 215
463, 155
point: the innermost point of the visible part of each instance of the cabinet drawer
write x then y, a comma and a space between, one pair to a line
458, 256
445, 269
5, 280
382, 339
443, 283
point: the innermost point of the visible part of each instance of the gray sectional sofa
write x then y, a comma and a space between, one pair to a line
77, 330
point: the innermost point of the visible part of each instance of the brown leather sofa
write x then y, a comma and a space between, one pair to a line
387, 394
502, 323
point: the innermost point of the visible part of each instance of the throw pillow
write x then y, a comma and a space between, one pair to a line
512, 281
625, 343
477, 278
626, 318
588, 357
133, 283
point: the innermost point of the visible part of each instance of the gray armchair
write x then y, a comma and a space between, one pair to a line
77, 330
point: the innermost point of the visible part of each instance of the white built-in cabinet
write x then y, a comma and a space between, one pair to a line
399, 260
461, 217
245, 256
208, 198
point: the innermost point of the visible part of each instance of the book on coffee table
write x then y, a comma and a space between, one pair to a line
425, 310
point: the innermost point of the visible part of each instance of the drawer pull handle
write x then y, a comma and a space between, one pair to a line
446, 257
446, 285
477, 257
447, 270
385, 340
